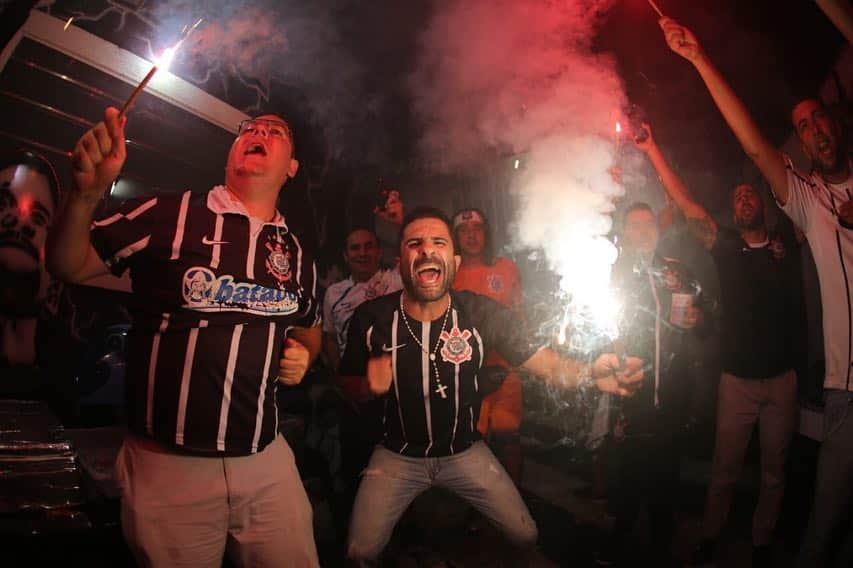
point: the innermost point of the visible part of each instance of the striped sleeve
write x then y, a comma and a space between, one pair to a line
119, 236
801, 197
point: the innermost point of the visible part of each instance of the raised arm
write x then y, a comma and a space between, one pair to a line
96, 161
768, 159
840, 13
701, 224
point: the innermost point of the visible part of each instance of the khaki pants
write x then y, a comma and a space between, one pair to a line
772, 403
180, 510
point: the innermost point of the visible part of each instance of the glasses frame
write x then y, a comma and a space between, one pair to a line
267, 121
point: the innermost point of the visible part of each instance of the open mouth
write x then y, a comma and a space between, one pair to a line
13, 239
256, 148
428, 274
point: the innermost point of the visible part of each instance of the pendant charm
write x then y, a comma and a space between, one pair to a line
432, 356
440, 390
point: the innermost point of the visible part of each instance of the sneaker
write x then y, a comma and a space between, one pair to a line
703, 554
762, 556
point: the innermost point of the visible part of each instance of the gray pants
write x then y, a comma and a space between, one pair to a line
772, 403
392, 481
833, 483
180, 510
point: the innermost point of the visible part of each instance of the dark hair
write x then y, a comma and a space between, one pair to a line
488, 246
636, 206
423, 213
39, 163
800, 99
360, 228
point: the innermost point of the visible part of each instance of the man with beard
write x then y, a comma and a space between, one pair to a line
820, 204
760, 302
226, 311
420, 351
498, 278
29, 297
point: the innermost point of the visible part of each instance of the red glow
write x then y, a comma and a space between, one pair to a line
25, 206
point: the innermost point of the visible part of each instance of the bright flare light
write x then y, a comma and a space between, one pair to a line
166, 57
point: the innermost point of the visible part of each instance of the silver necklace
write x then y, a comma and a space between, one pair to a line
440, 388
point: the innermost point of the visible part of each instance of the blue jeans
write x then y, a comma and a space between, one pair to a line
833, 482
392, 481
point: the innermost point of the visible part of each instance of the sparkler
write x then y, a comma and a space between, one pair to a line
655, 8
163, 61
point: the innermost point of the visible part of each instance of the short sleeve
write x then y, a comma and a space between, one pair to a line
119, 236
801, 197
502, 328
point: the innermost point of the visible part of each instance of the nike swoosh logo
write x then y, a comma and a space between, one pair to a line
387, 349
206, 241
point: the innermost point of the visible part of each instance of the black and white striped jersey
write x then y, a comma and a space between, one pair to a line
425, 417
219, 291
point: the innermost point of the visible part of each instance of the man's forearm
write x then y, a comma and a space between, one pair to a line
68, 243
673, 185
768, 159
548, 365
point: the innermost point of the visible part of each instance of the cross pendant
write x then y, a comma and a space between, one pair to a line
440, 390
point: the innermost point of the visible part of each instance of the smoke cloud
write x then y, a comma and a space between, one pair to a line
522, 76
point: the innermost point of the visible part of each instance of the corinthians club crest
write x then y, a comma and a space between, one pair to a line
278, 260
456, 348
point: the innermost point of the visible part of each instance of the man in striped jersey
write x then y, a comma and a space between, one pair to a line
820, 204
420, 351
227, 311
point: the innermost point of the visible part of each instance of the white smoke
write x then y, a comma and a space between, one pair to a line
513, 76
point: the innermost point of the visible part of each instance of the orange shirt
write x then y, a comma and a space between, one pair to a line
500, 281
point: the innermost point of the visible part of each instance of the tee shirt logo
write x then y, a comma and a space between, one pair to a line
456, 348
278, 260
495, 282
204, 291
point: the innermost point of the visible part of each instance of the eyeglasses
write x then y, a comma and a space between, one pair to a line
262, 126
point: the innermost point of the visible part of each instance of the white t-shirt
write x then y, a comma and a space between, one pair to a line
813, 204
342, 298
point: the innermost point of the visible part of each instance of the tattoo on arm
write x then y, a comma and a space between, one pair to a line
704, 229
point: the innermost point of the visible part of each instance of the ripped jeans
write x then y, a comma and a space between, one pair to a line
392, 481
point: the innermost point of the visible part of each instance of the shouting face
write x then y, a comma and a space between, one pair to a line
820, 138
427, 260
263, 150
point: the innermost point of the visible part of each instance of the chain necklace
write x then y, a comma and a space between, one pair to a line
440, 388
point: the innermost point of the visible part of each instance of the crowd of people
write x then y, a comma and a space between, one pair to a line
428, 339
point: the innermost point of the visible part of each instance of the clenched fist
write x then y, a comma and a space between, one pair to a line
294, 362
379, 374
